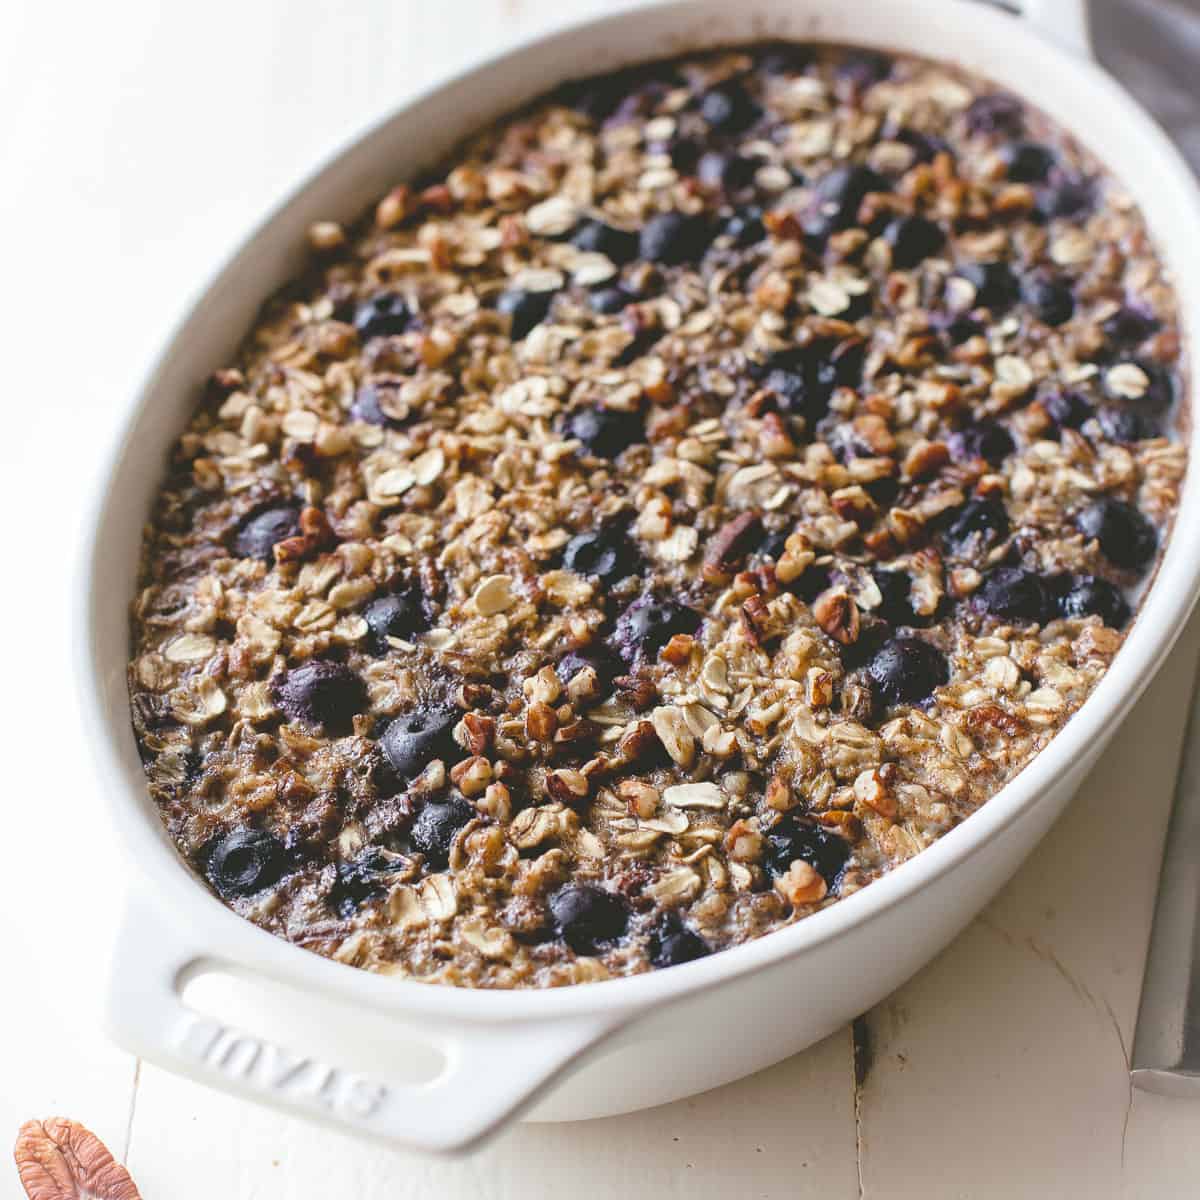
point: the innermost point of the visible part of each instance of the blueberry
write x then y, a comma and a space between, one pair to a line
983, 520
412, 742
995, 285
837, 197
1067, 198
1090, 595
996, 112
361, 880
912, 239
606, 553
527, 310
383, 315
907, 670
1124, 425
861, 69
672, 943
1027, 162
773, 545
1128, 327
258, 533
400, 615
436, 827
745, 227
960, 328
620, 245
367, 405
986, 439
587, 917
784, 58
647, 625
728, 109
805, 377
599, 658
608, 300
1052, 301
1067, 409
244, 862
673, 238
684, 153
605, 432
925, 146
1160, 387
896, 589
731, 171
321, 693
1126, 536
1015, 594
812, 582
793, 838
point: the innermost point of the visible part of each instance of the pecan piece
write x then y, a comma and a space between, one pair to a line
61, 1160
837, 615
730, 544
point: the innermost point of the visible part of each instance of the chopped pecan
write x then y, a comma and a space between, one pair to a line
984, 715
637, 690
730, 544
755, 618
837, 615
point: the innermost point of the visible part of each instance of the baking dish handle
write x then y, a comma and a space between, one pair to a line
1064, 22
485, 1074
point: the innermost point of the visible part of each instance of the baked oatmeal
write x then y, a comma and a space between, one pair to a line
686, 506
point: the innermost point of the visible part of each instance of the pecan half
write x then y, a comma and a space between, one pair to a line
59, 1159
731, 543
837, 615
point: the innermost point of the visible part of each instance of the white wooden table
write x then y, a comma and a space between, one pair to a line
136, 142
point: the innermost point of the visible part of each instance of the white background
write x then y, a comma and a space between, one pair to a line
138, 140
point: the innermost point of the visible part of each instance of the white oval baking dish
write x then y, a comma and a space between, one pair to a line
323, 1048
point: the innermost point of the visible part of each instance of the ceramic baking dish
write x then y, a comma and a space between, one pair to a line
203, 992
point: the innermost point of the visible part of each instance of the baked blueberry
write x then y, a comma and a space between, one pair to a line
606, 553
896, 589
982, 521
996, 112
1067, 409
437, 825
401, 615
647, 625
672, 943
906, 670
745, 227
837, 198
244, 862
609, 300
805, 377
959, 328
620, 245
925, 146
413, 741
730, 171
383, 315
728, 109
258, 533
606, 665
321, 692
1066, 198
368, 403
996, 287
784, 58
1091, 596
673, 238
793, 838
1027, 162
1124, 425
527, 309
912, 239
1128, 326
361, 880
861, 69
588, 918
986, 439
605, 432
1159, 392
1126, 536
1050, 300
1014, 594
